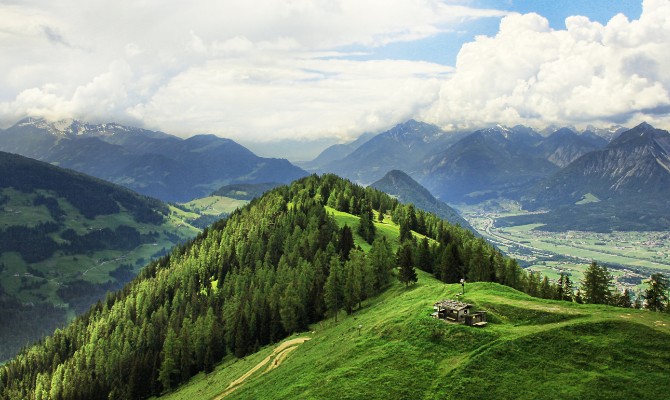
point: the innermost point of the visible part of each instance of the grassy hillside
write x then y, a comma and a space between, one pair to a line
530, 349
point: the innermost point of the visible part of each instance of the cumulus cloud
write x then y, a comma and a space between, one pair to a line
588, 72
286, 68
275, 68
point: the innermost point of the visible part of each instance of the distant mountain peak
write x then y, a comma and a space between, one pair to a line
642, 133
73, 127
407, 190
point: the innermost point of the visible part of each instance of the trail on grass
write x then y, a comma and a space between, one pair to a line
275, 359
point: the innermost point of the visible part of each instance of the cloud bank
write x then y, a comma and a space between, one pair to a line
528, 73
285, 69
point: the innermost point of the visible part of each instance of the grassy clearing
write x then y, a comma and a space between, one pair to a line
531, 348
389, 229
215, 205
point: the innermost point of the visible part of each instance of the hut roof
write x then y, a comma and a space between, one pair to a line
452, 305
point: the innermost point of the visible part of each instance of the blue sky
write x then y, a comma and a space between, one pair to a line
444, 48
310, 70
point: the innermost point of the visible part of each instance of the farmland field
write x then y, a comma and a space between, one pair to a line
630, 256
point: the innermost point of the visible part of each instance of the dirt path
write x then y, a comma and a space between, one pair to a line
277, 357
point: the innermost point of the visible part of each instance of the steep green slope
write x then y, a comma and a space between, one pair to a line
65, 240
531, 349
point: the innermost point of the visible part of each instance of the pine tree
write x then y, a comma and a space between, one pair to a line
346, 242
596, 284
353, 281
424, 258
366, 225
407, 273
568, 289
382, 262
405, 232
291, 308
657, 292
168, 367
334, 290
546, 291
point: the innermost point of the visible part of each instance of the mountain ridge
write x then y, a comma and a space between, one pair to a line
152, 163
398, 183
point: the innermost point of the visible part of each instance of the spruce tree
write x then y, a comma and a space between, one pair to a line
382, 262
657, 292
596, 284
333, 292
406, 273
366, 224
346, 242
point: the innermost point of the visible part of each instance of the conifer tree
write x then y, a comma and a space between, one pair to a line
366, 225
169, 364
405, 232
424, 259
381, 261
596, 284
406, 273
346, 242
291, 308
334, 289
546, 291
353, 280
656, 294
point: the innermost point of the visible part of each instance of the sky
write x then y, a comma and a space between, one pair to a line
329, 70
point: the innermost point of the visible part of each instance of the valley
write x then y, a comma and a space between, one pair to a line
630, 255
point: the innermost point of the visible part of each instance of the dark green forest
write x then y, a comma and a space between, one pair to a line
268, 270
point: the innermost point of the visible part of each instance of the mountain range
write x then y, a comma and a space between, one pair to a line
582, 180
623, 186
403, 147
152, 163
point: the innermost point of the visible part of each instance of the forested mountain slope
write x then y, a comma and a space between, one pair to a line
270, 269
65, 240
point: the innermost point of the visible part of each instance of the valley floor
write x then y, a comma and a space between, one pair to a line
631, 256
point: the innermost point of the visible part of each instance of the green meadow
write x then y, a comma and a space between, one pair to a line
393, 349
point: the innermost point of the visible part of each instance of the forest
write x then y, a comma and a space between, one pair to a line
270, 269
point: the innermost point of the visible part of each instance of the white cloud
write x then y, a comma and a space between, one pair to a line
274, 68
299, 98
285, 68
529, 73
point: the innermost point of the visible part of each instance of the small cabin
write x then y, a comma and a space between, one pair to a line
459, 312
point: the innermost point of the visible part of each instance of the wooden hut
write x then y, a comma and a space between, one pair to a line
457, 311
